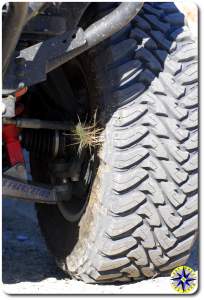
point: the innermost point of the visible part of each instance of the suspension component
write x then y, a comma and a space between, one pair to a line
10, 134
38, 124
51, 53
12, 144
44, 142
15, 188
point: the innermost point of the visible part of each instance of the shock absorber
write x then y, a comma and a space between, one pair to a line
44, 142
52, 145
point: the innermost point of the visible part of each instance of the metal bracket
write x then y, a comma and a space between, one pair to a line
45, 26
34, 62
18, 171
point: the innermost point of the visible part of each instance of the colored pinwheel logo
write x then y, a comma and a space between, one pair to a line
183, 279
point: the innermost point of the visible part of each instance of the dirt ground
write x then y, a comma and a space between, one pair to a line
28, 268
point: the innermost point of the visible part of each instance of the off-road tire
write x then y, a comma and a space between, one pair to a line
142, 215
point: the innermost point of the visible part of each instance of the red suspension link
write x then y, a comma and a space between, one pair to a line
12, 144
10, 135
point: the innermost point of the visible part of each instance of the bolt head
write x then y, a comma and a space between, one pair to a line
64, 180
21, 85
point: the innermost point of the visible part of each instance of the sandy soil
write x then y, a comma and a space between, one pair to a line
28, 268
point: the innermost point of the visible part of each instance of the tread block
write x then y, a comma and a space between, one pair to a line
139, 255
124, 181
151, 9
116, 38
189, 75
165, 239
171, 218
181, 134
126, 138
190, 206
161, 40
181, 34
103, 277
128, 94
128, 115
153, 143
156, 170
126, 202
151, 61
192, 121
182, 247
161, 54
157, 127
151, 187
157, 88
175, 19
149, 43
131, 271
143, 38
159, 108
171, 84
157, 257
145, 235
121, 225
191, 185
176, 197
178, 174
106, 264
149, 212
192, 164
192, 143
157, 24
138, 34
181, 156
176, 263
187, 53
191, 100
122, 49
147, 98
187, 227
149, 271
125, 73
117, 247
130, 158
173, 67
140, 22
168, 7
146, 76
177, 111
